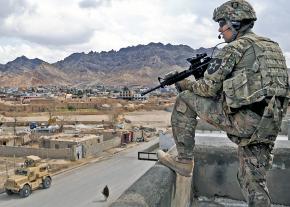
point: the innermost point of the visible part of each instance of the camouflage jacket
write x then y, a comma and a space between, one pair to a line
245, 71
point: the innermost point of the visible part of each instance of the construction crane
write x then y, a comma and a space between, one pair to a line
54, 120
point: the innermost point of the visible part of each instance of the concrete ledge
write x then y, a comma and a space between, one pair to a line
153, 189
215, 174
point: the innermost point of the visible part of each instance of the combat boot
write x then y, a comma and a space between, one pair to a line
180, 167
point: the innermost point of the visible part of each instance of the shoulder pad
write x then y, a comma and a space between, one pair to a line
255, 38
236, 47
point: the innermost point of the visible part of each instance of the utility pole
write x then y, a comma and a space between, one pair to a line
14, 125
76, 122
6, 166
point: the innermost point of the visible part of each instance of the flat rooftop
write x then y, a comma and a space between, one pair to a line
71, 138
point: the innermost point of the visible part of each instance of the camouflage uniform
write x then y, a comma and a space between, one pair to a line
244, 93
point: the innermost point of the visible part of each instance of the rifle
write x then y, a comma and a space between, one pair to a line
198, 66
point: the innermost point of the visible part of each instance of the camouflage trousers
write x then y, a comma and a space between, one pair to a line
254, 159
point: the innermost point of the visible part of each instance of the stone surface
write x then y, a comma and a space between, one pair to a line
214, 181
153, 189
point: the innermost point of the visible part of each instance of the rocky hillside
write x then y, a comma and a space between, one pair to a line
132, 65
42, 75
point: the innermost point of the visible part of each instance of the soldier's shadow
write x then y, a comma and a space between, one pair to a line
99, 201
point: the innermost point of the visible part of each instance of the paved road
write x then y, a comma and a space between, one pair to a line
81, 187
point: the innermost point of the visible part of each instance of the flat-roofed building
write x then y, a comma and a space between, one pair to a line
84, 145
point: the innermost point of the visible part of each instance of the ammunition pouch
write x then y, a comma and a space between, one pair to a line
241, 91
270, 123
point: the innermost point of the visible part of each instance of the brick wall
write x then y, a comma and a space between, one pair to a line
69, 154
10, 151
115, 142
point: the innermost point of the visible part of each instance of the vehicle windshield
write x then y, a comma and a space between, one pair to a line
21, 172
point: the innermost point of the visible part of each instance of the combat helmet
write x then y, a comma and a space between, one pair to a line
235, 10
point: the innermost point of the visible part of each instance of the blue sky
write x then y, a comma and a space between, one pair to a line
53, 29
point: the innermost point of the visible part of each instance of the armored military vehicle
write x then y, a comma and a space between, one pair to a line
30, 176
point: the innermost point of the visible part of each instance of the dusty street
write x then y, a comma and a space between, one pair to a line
159, 119
82, 186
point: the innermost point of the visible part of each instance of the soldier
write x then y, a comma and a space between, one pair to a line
243, 92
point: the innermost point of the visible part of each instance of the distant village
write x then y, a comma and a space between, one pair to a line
71, 123
28, 94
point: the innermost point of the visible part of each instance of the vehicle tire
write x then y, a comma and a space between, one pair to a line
8, 192
25, 191
46, 182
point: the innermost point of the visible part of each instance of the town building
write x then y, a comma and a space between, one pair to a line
83, 145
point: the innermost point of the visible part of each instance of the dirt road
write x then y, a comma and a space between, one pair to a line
159, 119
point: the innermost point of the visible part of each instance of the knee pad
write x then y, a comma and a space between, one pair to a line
180, 106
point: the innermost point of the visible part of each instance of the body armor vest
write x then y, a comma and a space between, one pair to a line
261, 72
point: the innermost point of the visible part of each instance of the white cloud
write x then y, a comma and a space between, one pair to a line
19, 48
51, 29
87, 4
48, 26
8, 7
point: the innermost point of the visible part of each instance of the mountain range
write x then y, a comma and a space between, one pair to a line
140, 64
